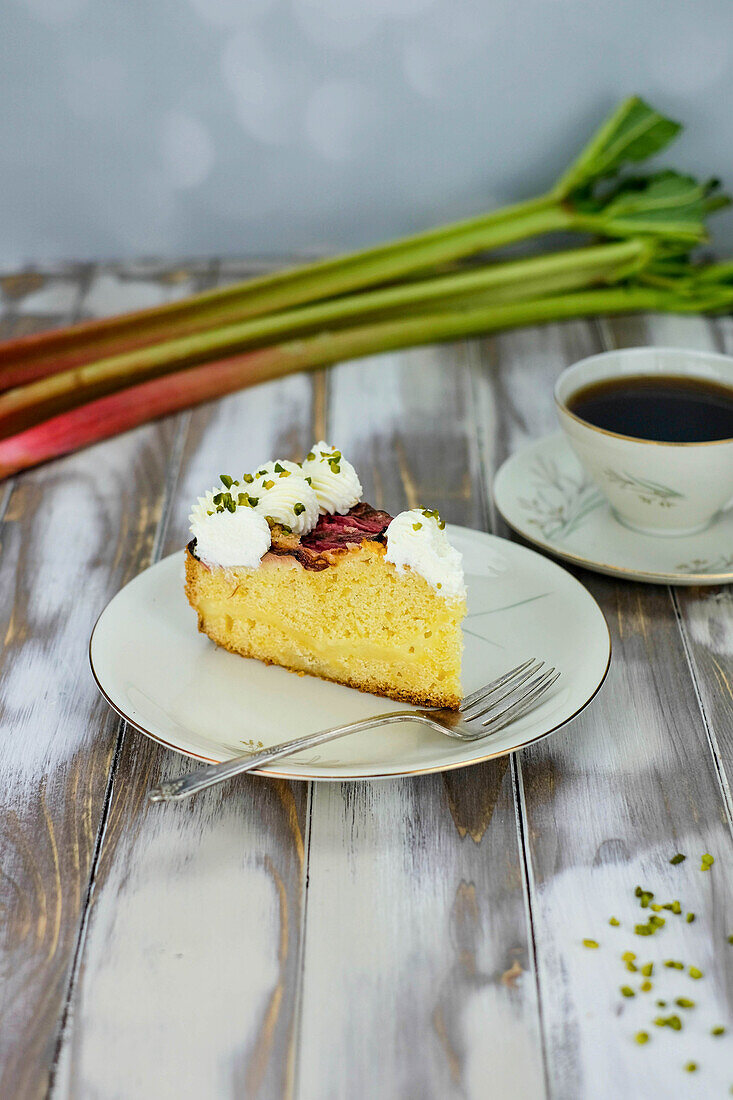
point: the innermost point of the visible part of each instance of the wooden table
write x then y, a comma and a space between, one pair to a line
405, 938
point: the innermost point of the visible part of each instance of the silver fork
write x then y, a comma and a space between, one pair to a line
481, 713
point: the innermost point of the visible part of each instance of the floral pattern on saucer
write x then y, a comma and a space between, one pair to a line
561, 501
545, 495
721, 564
649, 492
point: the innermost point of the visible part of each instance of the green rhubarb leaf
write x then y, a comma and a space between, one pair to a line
632, 133
666, 204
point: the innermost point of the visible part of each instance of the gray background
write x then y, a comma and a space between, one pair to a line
192, 127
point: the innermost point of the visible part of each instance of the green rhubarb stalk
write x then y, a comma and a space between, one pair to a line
118, 412
664, 206
520, 279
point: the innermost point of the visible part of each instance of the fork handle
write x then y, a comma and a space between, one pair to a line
175, 790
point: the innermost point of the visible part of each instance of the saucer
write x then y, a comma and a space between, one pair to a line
545, 495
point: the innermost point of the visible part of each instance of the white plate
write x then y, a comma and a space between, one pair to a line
544, 494
176, 686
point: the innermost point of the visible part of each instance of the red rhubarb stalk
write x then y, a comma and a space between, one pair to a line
664, 206
115, 413
533, 277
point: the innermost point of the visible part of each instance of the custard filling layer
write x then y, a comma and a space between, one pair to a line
332, 649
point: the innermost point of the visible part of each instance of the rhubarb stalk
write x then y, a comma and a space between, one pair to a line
665, 206
491, 285
107, 416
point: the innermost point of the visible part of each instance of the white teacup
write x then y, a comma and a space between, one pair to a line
656, 488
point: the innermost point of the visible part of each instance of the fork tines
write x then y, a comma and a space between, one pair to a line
510, 696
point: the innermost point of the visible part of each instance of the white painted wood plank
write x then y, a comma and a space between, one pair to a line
608, 801
73, 532
418, 976
190, 975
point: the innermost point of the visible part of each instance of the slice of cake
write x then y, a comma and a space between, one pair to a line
288, 565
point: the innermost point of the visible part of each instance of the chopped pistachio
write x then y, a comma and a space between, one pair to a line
642, 1037
628, 956
247, 479
706, 862
690, 918
590, 943
643, 930
691, 1067
632, 967
647, 970
684, 1002
717, 1031
434, 514
278, 468
657, 922
645, 898
417, 526
646, 986
657, 908
675, 1023
674, 964
661, 1004
679, 858
676, 908
310, 456
627, 991
267, 484
694, 972
730, 939
298, 508
614, 922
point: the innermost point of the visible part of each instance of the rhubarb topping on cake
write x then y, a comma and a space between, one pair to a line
385, 599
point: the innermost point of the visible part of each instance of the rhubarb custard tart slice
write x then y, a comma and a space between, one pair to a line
289, 566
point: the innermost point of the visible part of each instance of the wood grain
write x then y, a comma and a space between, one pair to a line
72, 534
608, 801
418, 977
191, 970
705, 614
417, 937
